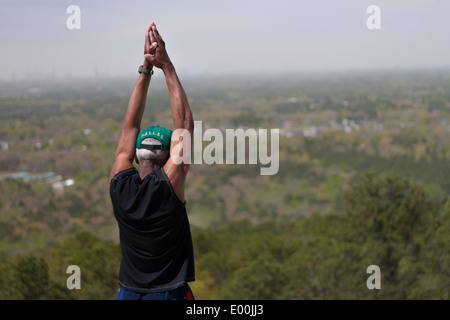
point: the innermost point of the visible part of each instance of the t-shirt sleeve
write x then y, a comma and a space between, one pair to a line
121, 187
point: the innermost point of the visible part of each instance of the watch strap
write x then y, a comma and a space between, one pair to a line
141, 69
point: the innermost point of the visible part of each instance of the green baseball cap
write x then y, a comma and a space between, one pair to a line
161, 134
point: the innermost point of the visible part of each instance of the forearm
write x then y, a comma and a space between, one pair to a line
136, 104
181, 111
133, 117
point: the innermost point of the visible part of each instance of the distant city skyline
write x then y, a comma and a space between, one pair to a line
222, 37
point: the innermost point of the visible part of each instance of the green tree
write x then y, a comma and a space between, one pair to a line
262, 278
390, 219
31, 277
98, 261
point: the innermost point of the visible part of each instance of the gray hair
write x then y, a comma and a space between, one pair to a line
156, 157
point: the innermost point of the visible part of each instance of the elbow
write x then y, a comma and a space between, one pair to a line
189, 124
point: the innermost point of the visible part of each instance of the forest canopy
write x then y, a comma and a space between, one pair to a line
363, 180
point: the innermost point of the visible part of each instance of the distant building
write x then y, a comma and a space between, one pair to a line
47, 177
25, 176
4, 145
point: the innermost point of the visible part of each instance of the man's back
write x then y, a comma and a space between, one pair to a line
155, 238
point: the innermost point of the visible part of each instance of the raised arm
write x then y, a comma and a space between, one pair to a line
182, 115
181, 111
126, 147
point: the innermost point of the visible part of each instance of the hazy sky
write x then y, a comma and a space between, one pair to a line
222, 37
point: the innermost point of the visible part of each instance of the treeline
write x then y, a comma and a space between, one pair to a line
386, 221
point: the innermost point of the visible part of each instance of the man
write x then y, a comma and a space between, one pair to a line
157, 253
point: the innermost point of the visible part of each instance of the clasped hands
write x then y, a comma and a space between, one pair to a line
155, 53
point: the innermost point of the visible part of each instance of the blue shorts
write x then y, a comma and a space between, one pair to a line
181, 293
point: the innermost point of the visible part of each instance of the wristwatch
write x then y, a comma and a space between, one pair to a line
146, 71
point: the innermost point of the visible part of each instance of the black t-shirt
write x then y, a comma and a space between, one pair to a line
155, 236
